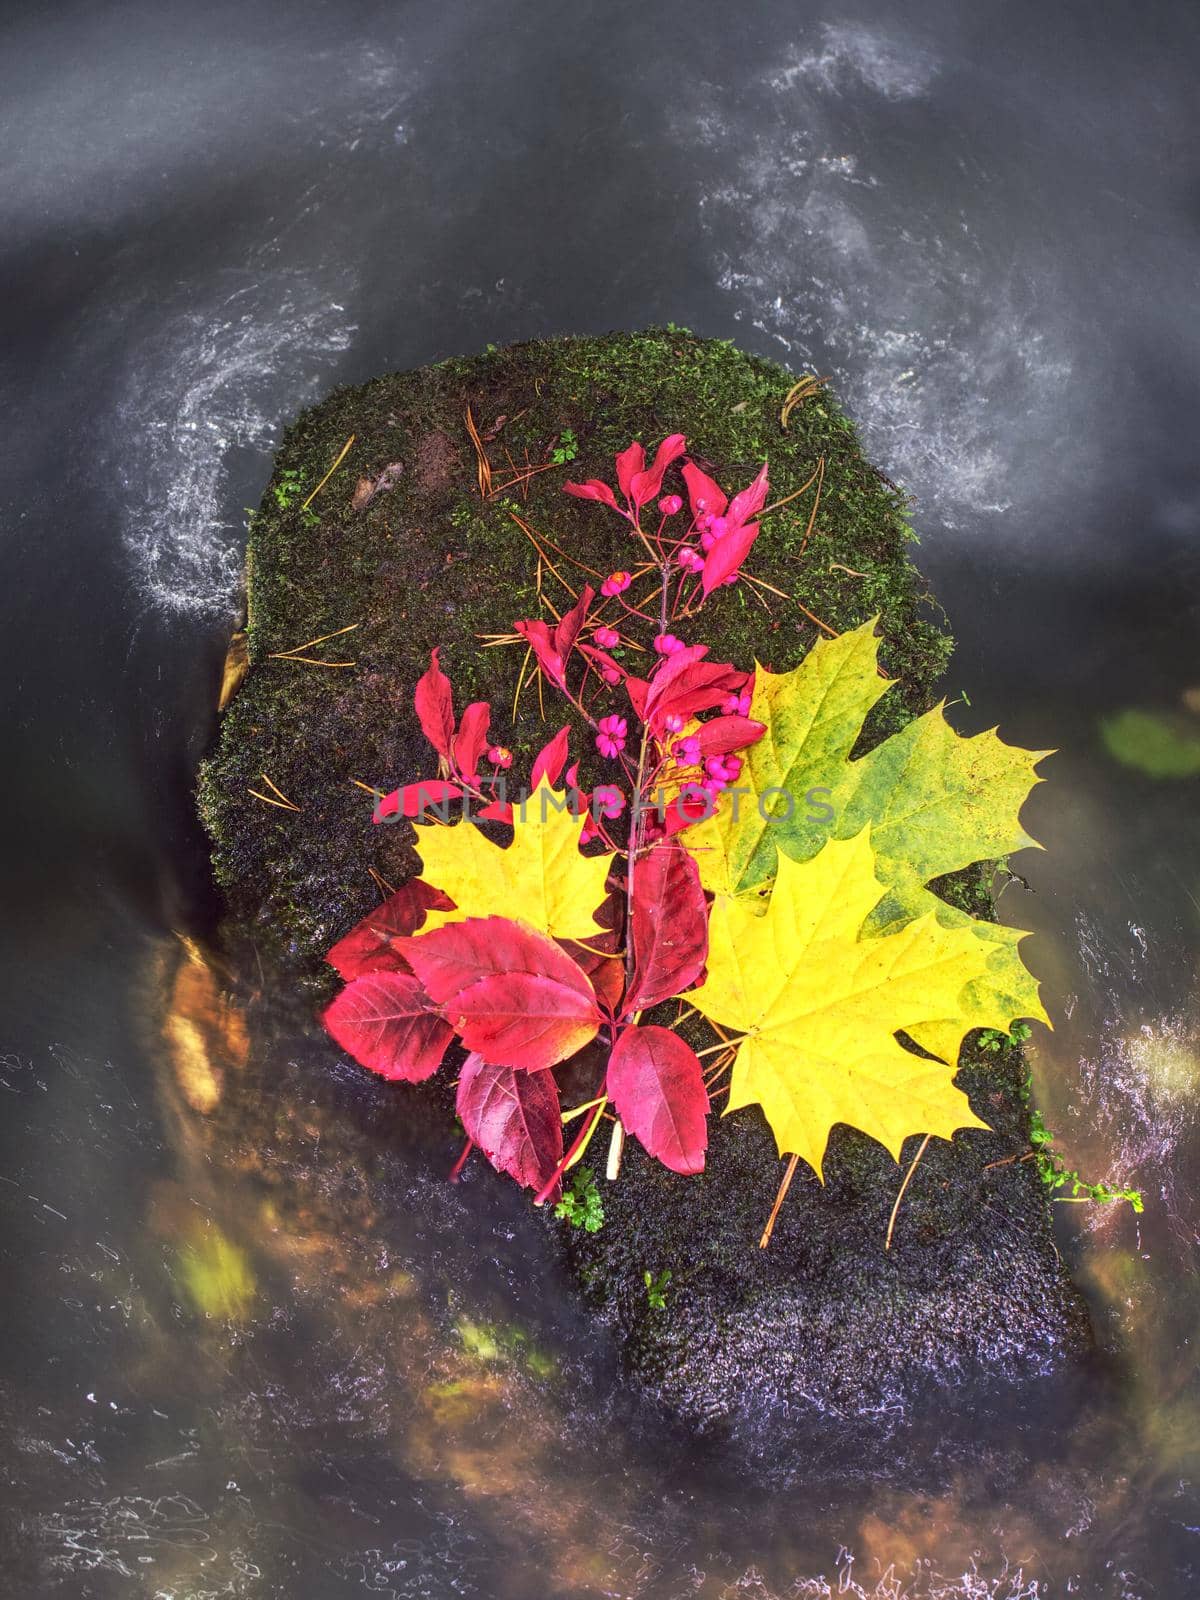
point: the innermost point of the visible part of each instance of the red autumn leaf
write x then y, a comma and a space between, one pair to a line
705, 494
593, 489
689, 806
723, 735
415, 798
644, 485
538, 637
601, 956
685, 684
434, 701
656, 1085
638, 690
605, 969
509, 992
567, 631
725, 558
631, 460
668, 928
601, 661
471, 740
496, 811
513, 1117
749, 502
550, 760
371, 946
388, 1023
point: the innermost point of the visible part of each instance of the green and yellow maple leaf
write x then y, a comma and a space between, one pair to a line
935, 801
540, 878
820, 1006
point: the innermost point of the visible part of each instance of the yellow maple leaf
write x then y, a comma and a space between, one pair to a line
540, 878
819, 1007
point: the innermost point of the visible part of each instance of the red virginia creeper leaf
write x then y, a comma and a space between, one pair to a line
434, 701
371, 946
387, 1022
669, 927
656, 1085
415, 798
508, 991
513, 1117
471, 740
726, 556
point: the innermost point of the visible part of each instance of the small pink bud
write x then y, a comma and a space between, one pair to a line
606, 638
610, 675
668, 645
499, 756
737, 705
670, 504
690, 559
673, 723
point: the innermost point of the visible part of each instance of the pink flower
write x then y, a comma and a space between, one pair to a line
687, 751
607, 800
610, 675
690, 559
723, 769
737, 705
673, 723
610, 736
606, 638
668, 645
670, 505
616, 583
499, 756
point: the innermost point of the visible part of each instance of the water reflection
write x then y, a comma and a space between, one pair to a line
353, 1377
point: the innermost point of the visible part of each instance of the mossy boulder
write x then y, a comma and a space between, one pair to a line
400, 546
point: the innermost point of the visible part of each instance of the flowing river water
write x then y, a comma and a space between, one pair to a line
253, 1346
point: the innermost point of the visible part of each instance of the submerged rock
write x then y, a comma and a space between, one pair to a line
413, 542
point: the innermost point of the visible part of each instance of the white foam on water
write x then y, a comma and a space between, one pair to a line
938, 348
202, 381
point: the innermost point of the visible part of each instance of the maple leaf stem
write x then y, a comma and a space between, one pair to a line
779, 1199
887, 1245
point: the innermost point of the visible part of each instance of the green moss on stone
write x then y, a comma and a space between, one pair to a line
428, 563
825, 1322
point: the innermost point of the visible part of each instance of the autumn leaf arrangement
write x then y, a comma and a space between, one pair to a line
743, 873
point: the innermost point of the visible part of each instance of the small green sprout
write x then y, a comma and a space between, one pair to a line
581, 1204
656, 1288
991, 1040
566, 449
